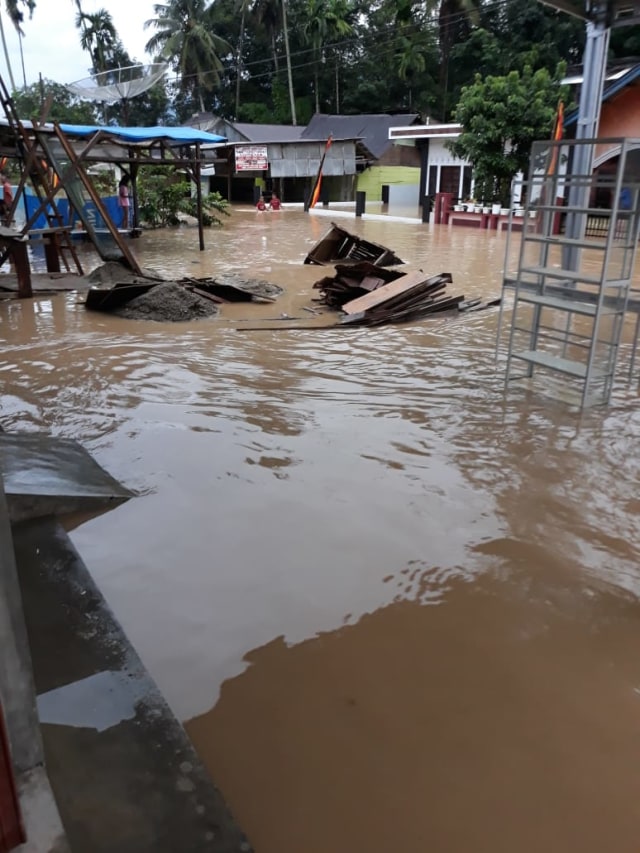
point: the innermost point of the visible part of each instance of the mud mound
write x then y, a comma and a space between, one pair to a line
167, 302
257, 286
114, 271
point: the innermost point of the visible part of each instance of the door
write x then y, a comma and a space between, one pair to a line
450, 180
11, 830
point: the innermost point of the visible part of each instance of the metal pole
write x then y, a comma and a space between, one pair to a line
595, 63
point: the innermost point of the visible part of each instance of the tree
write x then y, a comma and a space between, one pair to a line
285, 30
244, 8
99, 38
268, 15
454, 20
184, 37
16, 16
65, 107
163, 195
501, 117
325, 21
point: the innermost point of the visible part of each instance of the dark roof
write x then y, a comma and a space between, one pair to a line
268, 132
372, 129
610, 91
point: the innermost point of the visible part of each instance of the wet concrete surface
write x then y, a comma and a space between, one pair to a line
124, 774
45, 475
355, 563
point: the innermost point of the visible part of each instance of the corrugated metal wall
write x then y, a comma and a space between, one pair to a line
301, 160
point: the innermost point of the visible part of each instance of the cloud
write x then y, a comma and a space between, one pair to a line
51, 44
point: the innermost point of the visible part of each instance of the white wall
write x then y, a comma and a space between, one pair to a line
401, 195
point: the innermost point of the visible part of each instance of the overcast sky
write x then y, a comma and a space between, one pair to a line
52, 43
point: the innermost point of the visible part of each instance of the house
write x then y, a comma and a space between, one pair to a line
620, 111
383, 162
440, 170
264, 157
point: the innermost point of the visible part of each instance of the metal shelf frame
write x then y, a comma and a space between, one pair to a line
571, 289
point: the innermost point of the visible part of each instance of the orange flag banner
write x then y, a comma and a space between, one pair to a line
315, 195
558, 132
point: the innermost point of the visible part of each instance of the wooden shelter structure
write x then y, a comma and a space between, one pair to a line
55, 158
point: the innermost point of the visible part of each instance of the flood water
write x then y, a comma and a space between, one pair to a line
396, 609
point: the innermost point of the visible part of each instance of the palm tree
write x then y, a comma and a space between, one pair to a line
244, 8
268, 15
16, 16
326, 20
272, 15
99, 38
411, 59
184, 37
285, 30
452, 15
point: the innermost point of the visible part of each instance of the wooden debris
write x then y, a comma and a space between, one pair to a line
339, 245
388, 291
371, 298
346, 284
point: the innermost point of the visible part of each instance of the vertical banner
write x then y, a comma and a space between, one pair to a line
315, 195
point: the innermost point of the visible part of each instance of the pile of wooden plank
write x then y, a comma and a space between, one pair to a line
353, 280
370, 296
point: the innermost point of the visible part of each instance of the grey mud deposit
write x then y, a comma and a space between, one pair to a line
168, 301
172, 300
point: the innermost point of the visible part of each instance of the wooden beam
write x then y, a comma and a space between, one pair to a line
197, 170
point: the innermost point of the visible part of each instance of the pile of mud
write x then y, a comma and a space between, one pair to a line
257, 286
118, 290
112, 272
167, 302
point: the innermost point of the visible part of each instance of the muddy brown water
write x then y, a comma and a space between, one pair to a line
396, 608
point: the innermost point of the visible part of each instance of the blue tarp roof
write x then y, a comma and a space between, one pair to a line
178, 135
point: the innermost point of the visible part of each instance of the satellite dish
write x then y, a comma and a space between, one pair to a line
118, 84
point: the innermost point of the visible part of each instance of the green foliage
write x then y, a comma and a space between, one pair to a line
347, 55
185, 36
104, 182
212, 204
255, 113
64, 106
163, 195
501, 118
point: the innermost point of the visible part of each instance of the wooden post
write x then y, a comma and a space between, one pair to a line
20, 258
51, 253
197, 171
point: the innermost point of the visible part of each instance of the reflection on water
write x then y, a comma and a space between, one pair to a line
328, 488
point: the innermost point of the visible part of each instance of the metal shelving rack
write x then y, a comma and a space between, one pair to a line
575, 264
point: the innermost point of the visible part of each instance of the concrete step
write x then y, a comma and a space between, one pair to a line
124, 773
44, 475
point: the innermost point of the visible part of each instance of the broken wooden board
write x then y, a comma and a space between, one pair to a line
382, 294
339, 244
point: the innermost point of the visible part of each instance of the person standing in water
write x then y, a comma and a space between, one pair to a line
6, 201
275, 203
123, 201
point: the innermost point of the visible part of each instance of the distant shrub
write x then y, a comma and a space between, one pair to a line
163, 195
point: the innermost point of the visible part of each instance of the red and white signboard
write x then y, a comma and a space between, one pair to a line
251, 158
